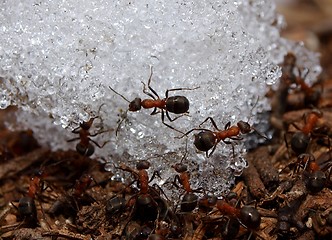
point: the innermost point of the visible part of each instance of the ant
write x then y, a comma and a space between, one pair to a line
315, 179
247, 216
173, 104
301, 139
144, 198
189, 200
84, 147
311, 96
26, 206
207, 139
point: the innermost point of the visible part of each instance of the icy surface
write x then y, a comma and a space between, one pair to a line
57, 59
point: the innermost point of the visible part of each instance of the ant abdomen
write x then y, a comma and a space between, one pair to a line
250, 217
177, 104
85, 151
315, 181
27, 210
300, 142
205, 140
189, 202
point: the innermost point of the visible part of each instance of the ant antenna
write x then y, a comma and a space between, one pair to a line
119, 94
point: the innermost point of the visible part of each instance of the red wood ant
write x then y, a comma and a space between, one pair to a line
173, 104
207, 139
248, 216
315, 179
189, 200
26, 206
301, 139
144, 199
84, 147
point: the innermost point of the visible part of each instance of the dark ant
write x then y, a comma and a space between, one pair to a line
84, 147
144, 199
26, 206
301, 139
315, 179
247, 216
174, 104
311, 96
208, 139
82, 184
189, 200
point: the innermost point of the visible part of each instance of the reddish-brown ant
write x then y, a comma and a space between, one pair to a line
84, 147
301, 139
145, 199
248, 216
315, 179
26, 206
189, 200
173, 104
207, 139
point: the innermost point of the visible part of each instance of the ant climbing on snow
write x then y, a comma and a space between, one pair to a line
84, 146
173, 104
207, 139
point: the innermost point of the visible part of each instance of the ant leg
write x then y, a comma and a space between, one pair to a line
163, 121
178, 89
149, 87
169, 117
97, 144
176, 178
154, 111
212, 121
74, 139
155, 173
76, 130
97, 133
194, 129
214, 148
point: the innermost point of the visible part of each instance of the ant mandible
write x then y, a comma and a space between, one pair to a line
173, 104
84, 147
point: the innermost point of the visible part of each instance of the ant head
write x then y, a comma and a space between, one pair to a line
135, 105
180, 167
244, 127
87, 125
85, 151
205, 140
300, 142
250, 217
143, 164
